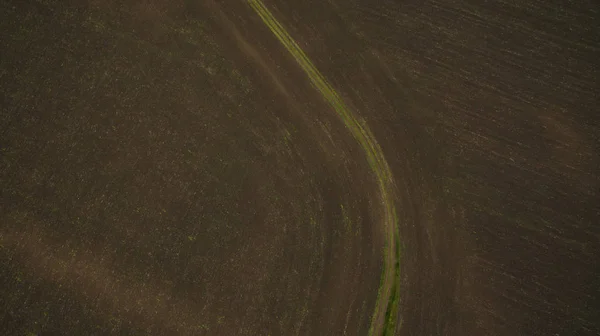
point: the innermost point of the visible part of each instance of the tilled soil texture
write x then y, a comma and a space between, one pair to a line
156, 180
167, 168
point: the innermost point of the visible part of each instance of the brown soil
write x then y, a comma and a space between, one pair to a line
167, 168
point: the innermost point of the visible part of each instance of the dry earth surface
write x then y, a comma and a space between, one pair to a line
167, 168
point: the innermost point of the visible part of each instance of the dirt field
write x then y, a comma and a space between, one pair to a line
167, 168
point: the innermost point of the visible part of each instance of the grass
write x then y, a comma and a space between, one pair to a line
388, 294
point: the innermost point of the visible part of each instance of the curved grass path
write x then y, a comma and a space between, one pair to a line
383, 321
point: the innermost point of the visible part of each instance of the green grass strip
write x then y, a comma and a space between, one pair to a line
389, 292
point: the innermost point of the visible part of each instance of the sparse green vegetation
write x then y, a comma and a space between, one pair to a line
374, 155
